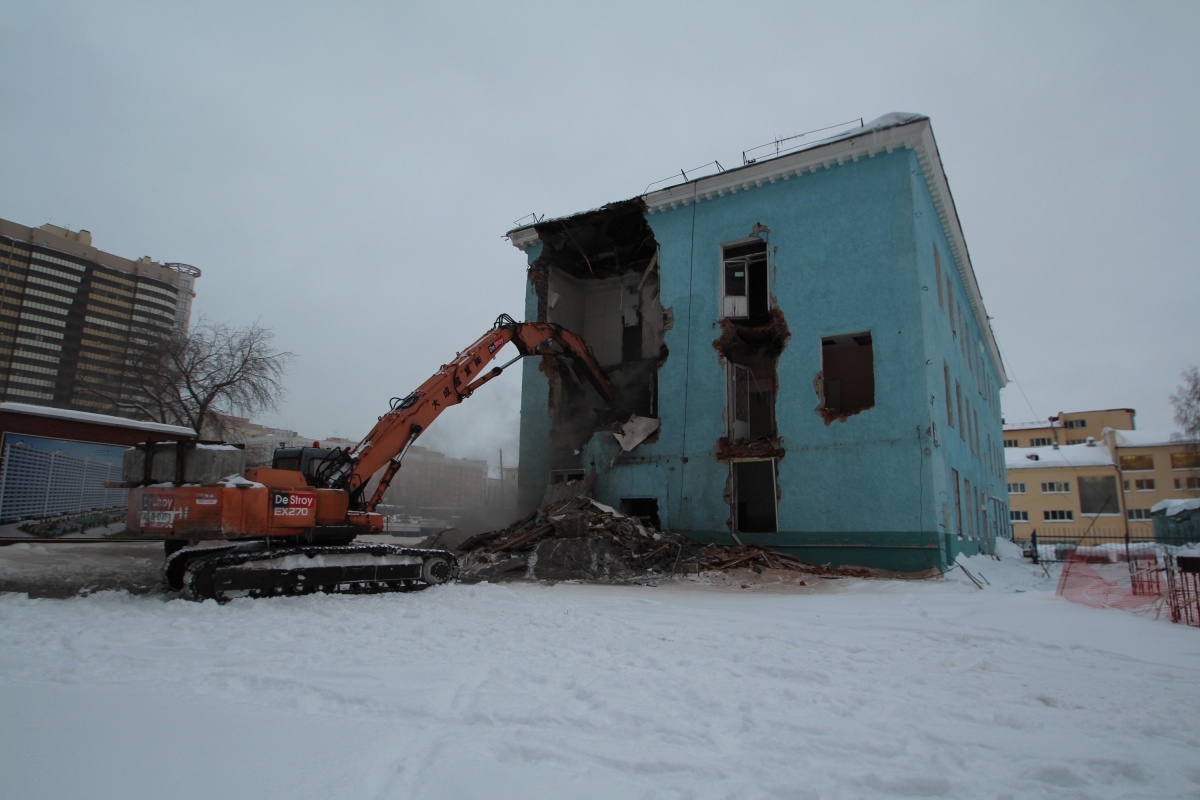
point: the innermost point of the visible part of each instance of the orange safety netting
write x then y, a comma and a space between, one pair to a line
1104, 578
1109, 578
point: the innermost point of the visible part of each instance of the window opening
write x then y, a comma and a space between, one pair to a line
1136, 463
645, 509
957, 504
755, 499
848, 372
970, 511
752, 401
949, 399
744, 281
558, 476
1178, 460
937, 265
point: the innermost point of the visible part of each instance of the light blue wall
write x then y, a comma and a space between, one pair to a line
850, 249
974, 371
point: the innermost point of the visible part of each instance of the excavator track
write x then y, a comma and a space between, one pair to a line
231, 572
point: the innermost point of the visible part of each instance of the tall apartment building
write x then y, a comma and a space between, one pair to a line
70, 312
1088, 476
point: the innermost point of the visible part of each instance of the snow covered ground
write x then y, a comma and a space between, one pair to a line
835, 689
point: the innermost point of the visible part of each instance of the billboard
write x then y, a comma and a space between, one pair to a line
54, 489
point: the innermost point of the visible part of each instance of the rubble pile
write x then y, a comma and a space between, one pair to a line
579, 538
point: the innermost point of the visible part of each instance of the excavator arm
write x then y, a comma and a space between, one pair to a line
396, 430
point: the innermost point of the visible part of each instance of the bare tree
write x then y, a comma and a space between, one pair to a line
1187, 403
187, 378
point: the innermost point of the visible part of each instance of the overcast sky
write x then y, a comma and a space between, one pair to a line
343, 173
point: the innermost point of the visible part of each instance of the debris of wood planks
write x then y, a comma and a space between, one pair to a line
580, 538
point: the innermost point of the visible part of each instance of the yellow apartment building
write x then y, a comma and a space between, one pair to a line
1068, 428
1089, 476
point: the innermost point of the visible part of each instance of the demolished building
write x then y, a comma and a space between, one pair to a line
801, 354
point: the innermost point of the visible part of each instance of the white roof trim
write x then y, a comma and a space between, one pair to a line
523, 238
95, 419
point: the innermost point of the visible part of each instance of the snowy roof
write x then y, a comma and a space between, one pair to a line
1055, 422
1173, 507
1020, 426
95, 419
1070, 455
1149, 438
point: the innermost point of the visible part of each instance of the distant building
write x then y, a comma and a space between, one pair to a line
437, 485
808, 334
69, 313
1089, 476
1074, 427
260, 441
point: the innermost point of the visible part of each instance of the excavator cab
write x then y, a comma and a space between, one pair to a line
307, 460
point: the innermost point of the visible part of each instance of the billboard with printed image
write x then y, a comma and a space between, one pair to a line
54, 488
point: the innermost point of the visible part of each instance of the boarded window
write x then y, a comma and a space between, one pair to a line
1098, 495
848, 367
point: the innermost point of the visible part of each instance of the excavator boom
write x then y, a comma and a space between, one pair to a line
289, 527
396, 431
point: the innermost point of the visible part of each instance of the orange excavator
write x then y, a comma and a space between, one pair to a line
290, 528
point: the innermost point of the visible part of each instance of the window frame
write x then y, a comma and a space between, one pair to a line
748, 290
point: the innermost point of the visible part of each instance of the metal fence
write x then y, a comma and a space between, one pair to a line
1055, 544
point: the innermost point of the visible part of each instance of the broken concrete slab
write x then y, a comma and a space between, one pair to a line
635, 431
